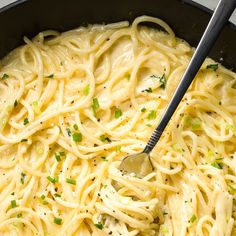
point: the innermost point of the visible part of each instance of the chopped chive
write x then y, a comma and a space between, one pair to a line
53, 180
68, 132
217, 165
118, 148
148, 125
5, 76
24, 140
50, 76
26, 121
152, 115
86, 90
161, 79
15, 103
42, 197
62, 154
75, 126
196, 124
58, 157
214, 67
148, 90
77, 137
95, 106
57, 195
104, 138
70, 181
57, 221
193, 218
143, 109
99, 225
13, 204
22, 179
118, 113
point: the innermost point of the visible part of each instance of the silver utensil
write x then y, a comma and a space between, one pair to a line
140, 164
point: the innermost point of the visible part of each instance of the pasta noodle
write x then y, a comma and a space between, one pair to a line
74, 104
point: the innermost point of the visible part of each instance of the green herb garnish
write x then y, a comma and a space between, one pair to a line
152, 115
62, 154
217, 165
58, 157
193, 218
5, 76
118, 148
71, 181
212, 66
13, 204
42, 198
118, 113
99, 225
77, 137
86, 90
50, 76
75, 126
53, 180
104, 138
15, 103
22, 178
26, 121
148, 90
68, 132
161, 79
95, 106
57, 221
143, 109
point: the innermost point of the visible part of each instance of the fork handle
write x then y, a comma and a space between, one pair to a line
221, 15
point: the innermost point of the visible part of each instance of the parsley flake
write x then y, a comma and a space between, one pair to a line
77, 137
5, 76
26, 121
13, 204
152, 115
118, 113
213, 67
217, 165
104, 138
193, 218
99, 225
57, 221
95, 106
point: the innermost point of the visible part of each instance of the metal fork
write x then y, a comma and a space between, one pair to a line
140, 164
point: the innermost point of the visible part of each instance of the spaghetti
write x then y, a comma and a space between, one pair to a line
74, 104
